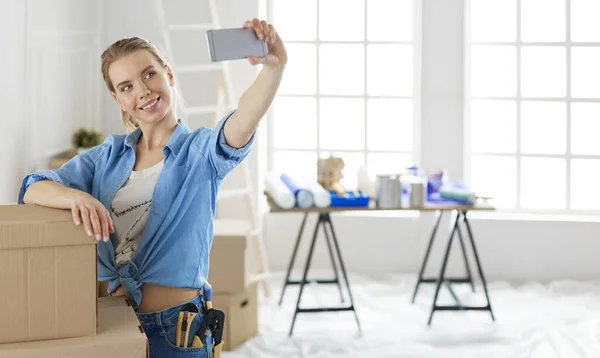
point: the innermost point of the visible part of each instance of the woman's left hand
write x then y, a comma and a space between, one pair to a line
277, 56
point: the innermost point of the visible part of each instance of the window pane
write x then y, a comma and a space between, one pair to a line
388, 163
543, 71
584, 184
390, 20
301, 70
585, 72
493, 20
543, 127
341, 20
295, 123
390, 70
493, 71
543, 183
390, 124
295, 20
543, 20
299, 164
585, 26
342, 123
585, 126
493, 126
352, 162
496, 177
342, 69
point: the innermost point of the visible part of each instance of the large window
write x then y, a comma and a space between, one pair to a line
349, 87
533, 105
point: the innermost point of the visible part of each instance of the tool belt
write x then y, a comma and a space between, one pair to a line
213, 323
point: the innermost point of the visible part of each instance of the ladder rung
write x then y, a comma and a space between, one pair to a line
189, 27
232, 193
199, 68
226, 227
257, 277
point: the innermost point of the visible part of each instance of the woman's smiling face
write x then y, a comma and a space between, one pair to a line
142, 86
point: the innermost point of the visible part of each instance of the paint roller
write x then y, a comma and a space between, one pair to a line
461, 195
281, 194
321, 197
304, 197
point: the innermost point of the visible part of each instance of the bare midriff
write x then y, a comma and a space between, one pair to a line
158, 298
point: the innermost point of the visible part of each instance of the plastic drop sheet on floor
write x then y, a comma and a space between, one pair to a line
533, 320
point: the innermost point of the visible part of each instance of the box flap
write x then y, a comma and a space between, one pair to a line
23, 226
29, 213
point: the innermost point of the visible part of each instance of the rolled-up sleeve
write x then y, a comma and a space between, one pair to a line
222, 156
77, 173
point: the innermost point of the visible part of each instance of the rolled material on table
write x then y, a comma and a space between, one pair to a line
281, 194
321, 197
457, 194
304, 197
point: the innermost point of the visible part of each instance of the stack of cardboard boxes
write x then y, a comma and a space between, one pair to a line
50, 304
49, 295
234, 287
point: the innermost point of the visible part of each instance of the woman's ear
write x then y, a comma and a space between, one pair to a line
170, 75
114, 95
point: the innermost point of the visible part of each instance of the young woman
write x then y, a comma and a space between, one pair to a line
149, 197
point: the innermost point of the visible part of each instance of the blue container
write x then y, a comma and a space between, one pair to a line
349, 199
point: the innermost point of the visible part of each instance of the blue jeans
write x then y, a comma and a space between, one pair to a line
160, 328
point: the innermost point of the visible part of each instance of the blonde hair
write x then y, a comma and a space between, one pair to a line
125, 47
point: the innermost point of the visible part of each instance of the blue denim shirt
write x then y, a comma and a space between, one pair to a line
175, 246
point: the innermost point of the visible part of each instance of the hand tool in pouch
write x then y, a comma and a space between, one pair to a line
186, 315
214, 320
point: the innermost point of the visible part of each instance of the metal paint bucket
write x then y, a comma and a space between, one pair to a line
388, 191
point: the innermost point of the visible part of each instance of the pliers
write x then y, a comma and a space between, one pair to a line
214, 320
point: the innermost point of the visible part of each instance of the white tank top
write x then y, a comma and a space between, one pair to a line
130, 209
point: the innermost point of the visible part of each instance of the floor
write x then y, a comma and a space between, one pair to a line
559, 319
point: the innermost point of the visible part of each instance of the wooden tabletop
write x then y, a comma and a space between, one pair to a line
274, 208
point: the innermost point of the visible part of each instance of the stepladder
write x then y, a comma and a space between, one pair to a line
208, 90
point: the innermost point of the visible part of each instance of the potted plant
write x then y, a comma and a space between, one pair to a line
84, 139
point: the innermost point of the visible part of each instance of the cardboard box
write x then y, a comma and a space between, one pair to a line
241, 316
228, 271
103, 289
48, 275
119, 335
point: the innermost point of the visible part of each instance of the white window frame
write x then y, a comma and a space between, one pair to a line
518, 155
416, 97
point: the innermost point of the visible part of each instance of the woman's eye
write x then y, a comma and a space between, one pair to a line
126, 88
150, 74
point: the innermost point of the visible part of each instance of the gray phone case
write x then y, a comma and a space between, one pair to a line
234, 44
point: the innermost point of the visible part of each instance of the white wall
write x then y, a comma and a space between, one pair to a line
12, 71
49, 87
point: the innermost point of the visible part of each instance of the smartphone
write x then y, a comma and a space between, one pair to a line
234, 44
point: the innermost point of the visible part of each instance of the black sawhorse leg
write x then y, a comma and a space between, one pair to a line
325, 220
293, 259
457, 217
